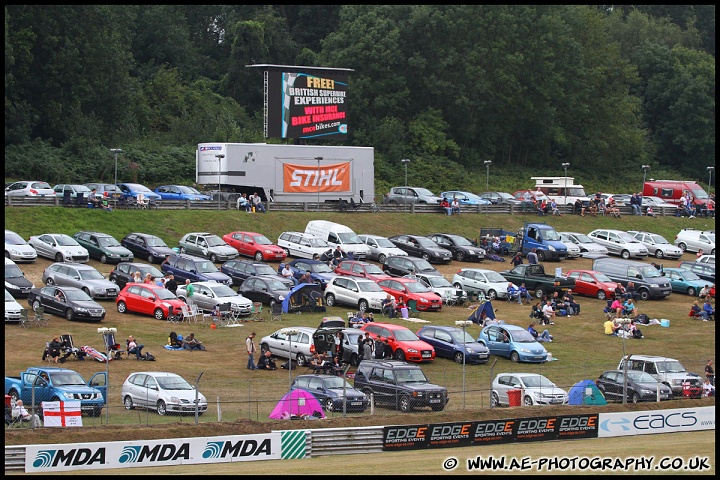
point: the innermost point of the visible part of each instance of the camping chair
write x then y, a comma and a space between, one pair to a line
317, 301
198, 315
276, 312
412, 309
113, 347
40, 319
226, 316
256, 314
68, 348
24, 319
609, 311
141, 202
186, 314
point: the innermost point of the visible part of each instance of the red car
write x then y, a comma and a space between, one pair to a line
592, 284
354, 268
410, 289
255, 245
405, 344
149, 299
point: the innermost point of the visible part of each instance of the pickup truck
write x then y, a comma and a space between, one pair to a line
58, 384
542, 237
535, 278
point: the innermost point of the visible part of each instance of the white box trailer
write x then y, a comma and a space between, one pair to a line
289, 173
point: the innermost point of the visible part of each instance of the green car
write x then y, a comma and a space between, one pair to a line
684, 281
103, 247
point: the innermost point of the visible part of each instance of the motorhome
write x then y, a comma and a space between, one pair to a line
563, 190
672, 191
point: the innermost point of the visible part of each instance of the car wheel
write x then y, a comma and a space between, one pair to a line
103, 258
644, 294
692, 291
213, 258
122, 307
426, 257
58, 257
329, 405
540, 255
36, 305
528, 401
161, 408
458, 286
601, 295
301, 360
158, 314
459, 357
682, 246
128, 402
539, 292
287, 252
625, 254
87, 290
7, 254
258, 256
399, 355
491, 295
363, 306
635, 398
69, 314
460, 257
382, 257
494, 400
404, 405
514, 357
49, 281
264, 347
330, 300
150, 258
659, 253
354, 359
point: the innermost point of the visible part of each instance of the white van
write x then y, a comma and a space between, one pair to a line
337, 234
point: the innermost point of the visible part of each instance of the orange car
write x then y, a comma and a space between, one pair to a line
255, 245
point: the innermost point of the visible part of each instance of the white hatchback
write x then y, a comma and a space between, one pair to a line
17, 249
357, 292
691, 240
491, 283
302, 245
165, 392
381, 248
536, 390
584, 242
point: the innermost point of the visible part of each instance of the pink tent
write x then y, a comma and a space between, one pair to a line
297, 403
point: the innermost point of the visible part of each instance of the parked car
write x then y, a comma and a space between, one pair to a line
489, 282
461, 248
350, 350
684, 281
649, 282
131, 191
400, 385
619, 243
122, 273
267, 289
31, 188
641, 386
592, 284
164, 392
208, 295
465, 198
101, 188
195, 269
207, 245
707, 259
411, 195
295, 343
320, 272
406, 346
83, 277
355, 268
255, 245
705, 271
73, 190
302, 245
361, 293
17, 249
15, 280
381, 248
69, 302
180, 192
443, 288
536, 390
657, 245
146, 246
59, 247
499, 198
401, 266
657, 202
149, 299
665, 370
423, 247
585, 243
334, 393
513, 342
530, 196
103, 247
241, 270
12, 308
691, 240
409, 289
454, 343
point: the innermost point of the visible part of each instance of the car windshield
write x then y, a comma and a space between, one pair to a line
66, 378
173, 383
264, 270
336, 382
414, 375
438, 282
416, 287
206, 267
522, 336
320, 268
537, 381
688, 275
155, 242
369, 287
659, 239
582, 238
699, 193
262, 240
90, 275
108, 242
423, 265
14, 239
711, 237
276, 285
164, 294
317, 242
66, 241
550, 234
601, 277
373, 269
223, 291
12, 271
627, 237
670, 367
576, 192
136, 187
641, 377
188, 190
349, 237
77, 295
426, 242
154, 272
424, 192
494, 277
650, 272
384, 243
405, 335
461, 241
458, 337
214, 241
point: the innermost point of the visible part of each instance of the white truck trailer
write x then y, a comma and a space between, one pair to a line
289, 173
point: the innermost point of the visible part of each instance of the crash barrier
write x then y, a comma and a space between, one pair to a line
308, 443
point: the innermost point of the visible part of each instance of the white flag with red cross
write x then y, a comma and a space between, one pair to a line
62, 414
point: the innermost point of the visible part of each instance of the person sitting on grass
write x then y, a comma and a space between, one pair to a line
266, 362
540, 337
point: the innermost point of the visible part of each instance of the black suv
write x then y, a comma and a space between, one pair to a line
401, 266
400, 385
196, 269
241, 270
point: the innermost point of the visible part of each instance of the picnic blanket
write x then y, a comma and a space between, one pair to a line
173, 347
416, 320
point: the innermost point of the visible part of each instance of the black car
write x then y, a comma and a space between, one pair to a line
148, 247
241, 270
196, 269
401, 266
462, 249
332, 391
69, 302
15, 281
267, 289
702, 270
122, 274
641, 386
423, 247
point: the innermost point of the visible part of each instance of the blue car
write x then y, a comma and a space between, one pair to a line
685, 281
465, 198
131, 190
513, 342
320, 271
180, 192
452, 342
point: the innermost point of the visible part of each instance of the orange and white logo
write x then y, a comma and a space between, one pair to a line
306, 179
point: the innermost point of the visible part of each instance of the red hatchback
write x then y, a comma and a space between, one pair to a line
408, 289
592, 284
149, 299
354, 268
405, 344
255, 245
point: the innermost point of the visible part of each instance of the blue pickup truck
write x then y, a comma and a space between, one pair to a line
58, 384
539, 236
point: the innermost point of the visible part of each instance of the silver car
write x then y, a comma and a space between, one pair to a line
83, 277
657, 245
17, 249
536, 390
32, 188
209, 294
381, 248
355, 292
59, 247
290, 342
585, 243
164, 392
619, 243
207, 245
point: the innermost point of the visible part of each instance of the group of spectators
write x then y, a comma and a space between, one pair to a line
549, 308
251, 204
451, 208
379, 348
360, 319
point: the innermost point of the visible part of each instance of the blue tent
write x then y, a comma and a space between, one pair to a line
585, 392
485, 308
304, 297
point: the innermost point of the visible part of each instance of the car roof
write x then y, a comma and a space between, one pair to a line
522, 374
506, 326
244, 233
389, 326
158, 374
653, 358
474, 269
80, 266
307, 260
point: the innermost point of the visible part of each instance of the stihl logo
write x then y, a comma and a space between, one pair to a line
305, 178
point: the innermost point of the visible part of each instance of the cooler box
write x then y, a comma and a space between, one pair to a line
664, 322
691, 391
514, 397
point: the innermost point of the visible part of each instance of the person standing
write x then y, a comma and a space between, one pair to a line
388, 349
189, 292
710, 373
368, 345
532, 257
250, 347
517, 259
137, 277
170, 283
